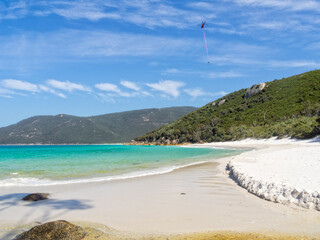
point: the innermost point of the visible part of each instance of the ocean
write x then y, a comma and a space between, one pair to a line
64, 164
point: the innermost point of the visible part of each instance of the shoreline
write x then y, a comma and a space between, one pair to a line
62, 144
17, 180
197, 198
125, 176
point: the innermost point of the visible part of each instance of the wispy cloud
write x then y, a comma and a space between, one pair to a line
50, 90
198, 92
19, 85
130, 85
171, 71
109, 87
238, 53
289, 5
13, 87
314, 46
6, 93
167, 87
114, 90
294, 64
204, 74
195, 92
224, 75
91, 10
144, 13
13, 9
76, 43
67, 86
167, 14
258, 61
220, 93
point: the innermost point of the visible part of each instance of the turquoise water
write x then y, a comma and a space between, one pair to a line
49, 165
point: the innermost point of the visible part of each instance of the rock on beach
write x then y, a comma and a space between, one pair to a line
36, 197
56, 230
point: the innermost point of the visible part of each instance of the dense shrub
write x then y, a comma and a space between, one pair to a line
287, 107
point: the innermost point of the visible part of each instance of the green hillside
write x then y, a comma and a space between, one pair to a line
108, 128
287, 107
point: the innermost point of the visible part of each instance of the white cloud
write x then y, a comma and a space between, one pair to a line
50, 90
294, 64
106, 98
168, 87
289, 18
67, 86
6, 93
154, 64
274, 25
229, 31
220, 93
291, 5
109, 87
126, 94
196, 92
91, 10
121, 44
19, 85
314, 46
13, 10
130, 85
201, 5
145, 13
224, 75
68, 44
171, 71
146, 93
204, 74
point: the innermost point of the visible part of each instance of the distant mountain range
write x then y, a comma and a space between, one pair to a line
289, 107
108, 128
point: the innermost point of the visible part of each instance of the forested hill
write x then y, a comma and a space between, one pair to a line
285, 108
108, 128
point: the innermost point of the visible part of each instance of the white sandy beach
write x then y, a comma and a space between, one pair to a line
284, 171
193, 199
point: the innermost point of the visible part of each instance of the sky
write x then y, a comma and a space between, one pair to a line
92, 57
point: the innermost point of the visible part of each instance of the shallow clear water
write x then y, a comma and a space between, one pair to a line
48, 165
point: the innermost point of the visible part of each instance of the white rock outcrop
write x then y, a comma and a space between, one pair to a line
255, 89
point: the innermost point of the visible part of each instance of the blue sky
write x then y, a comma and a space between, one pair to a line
101, 56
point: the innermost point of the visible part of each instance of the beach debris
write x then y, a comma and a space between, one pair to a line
204, 23
255, 89
183, 193
55, 230
36, 197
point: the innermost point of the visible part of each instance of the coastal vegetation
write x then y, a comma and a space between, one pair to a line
108, 128
288, 107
